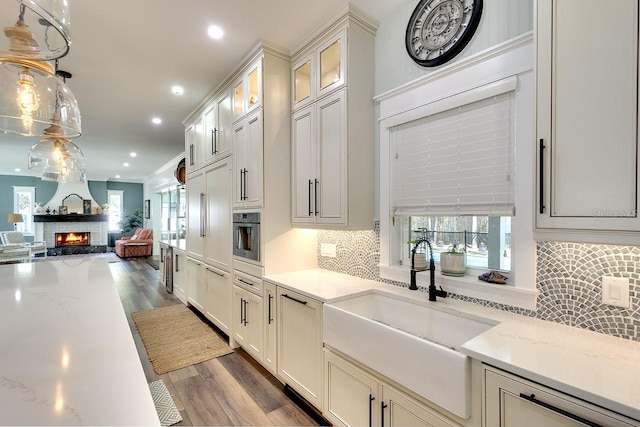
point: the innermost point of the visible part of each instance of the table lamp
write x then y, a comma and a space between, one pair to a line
15, 218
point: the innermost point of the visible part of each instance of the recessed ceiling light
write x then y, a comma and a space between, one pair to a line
17, 169
215, 32
125, 164
156, 120
177, 90
117, 176
132, 154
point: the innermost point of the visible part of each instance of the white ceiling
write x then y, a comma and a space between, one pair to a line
125, 55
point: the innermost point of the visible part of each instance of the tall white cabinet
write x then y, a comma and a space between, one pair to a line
332, 126
587, 121
242, 164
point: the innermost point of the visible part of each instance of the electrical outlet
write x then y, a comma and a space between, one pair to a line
615, 291
328, 250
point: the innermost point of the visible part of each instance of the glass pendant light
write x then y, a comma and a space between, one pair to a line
30, 95
29, 90
59, 158
36, 30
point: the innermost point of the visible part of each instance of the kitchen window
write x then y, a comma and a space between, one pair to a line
457, 165
485, 241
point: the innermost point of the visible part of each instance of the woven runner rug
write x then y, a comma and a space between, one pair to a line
175, 338
165, 406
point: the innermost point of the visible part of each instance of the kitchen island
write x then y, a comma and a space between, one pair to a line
68, 357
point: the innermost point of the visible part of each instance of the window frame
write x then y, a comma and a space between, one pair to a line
29, 227
119, 193
410, 102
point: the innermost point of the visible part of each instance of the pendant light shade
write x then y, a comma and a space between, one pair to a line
36, 30
31, 95
59, 158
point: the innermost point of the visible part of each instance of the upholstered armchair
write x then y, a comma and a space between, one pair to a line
15, 240
140, 244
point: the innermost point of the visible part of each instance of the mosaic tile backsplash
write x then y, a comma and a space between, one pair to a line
568, 277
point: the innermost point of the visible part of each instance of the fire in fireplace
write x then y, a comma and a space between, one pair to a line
72, 239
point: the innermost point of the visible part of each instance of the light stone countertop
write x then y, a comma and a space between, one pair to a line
598, 368
68, 357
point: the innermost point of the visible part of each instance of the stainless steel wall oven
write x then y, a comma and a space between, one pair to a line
246, 235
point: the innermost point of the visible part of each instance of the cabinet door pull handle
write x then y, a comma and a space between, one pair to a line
315, 195
241, 311
245, 282
269, 311
532, 398
245, 312
215, 140
371, 399
382, 407
246, 172
241, 184
191, 162
215, 272
177, 269
541, 177
202, 215
310, 185
295, 299
213, 145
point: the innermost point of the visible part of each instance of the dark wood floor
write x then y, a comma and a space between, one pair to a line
229, 390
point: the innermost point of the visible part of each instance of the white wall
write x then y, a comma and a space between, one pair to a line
161, 179
501, 20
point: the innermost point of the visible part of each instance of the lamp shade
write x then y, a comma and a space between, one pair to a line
14, 217
34, 29
32, 98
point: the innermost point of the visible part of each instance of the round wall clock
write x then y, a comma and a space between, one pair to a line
439, 29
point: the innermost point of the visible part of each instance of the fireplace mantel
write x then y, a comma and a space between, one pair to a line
71, 218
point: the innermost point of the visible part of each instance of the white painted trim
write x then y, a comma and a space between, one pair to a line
515, 44
508, 66
468, 286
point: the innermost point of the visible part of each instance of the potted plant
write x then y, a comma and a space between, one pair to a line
131, 222
452, 261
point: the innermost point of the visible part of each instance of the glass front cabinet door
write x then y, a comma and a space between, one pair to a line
331, 60
302, 82
320, 72
247, 92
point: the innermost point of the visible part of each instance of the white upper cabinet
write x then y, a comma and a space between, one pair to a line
332, 64
301, 78
217, 128
587, 121
321, 71
247, 91
332, 127
194, 145
247, 162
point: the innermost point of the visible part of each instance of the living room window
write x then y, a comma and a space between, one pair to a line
24, 199
115, 199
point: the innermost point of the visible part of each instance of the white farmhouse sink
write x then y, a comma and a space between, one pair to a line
412, 343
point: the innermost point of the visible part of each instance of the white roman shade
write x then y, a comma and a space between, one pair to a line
458, 161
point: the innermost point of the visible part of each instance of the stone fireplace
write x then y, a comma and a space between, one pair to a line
50, 227
78, 220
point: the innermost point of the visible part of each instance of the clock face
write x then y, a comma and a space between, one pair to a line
439, 29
